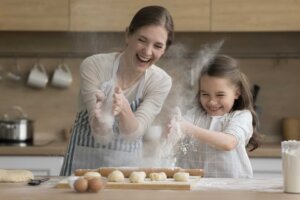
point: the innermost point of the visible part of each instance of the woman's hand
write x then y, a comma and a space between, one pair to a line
101, 123
119, 101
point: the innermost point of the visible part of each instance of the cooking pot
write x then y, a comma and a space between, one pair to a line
18, 129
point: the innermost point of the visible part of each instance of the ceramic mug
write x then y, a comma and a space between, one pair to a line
62, 77
37, 77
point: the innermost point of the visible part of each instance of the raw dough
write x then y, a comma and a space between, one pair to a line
91, 175
161, 176
15, 176
137, 177
115, 176
181, 176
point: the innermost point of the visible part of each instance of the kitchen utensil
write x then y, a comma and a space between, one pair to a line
62, 76
38, 77
105, 171
255, 91
16, 129
168, 184
37, 181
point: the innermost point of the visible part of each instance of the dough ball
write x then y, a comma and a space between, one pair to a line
91, 175
15, 176
161, 176
181, 176
137, 177
115, 176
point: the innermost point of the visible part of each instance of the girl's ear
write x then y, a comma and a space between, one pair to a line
237, 93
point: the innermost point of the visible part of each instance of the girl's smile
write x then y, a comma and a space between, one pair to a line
217, 95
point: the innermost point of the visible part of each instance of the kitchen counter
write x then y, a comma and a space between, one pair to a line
41, 148
55, 148
225, 189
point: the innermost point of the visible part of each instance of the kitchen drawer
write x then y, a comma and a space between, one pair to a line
39, 165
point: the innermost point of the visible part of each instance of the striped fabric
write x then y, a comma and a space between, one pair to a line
82, 136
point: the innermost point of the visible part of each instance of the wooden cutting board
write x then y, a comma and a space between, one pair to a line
169, 184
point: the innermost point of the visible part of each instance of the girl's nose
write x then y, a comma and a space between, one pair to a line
212, 102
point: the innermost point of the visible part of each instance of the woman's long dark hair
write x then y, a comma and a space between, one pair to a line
223, 66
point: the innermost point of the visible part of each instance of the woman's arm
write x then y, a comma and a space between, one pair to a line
156, 89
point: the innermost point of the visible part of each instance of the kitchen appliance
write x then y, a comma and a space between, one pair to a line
17, 129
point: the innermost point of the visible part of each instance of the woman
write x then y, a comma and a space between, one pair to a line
120, 95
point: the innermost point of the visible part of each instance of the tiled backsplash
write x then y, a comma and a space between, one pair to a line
270, 60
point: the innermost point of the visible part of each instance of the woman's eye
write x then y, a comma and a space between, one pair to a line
141, 40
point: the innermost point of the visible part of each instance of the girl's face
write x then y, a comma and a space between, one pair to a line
145, 46
217, 95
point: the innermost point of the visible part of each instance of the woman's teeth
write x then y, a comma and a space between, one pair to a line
143, 59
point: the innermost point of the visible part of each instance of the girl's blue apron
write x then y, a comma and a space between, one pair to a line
84, 152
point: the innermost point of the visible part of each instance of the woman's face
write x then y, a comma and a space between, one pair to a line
217, 95
145, 46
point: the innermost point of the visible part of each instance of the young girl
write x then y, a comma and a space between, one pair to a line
222, 126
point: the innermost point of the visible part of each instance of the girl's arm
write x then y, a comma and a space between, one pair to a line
219, 140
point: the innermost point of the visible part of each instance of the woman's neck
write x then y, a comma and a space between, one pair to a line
126, 77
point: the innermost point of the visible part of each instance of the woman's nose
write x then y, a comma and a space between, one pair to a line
148, 49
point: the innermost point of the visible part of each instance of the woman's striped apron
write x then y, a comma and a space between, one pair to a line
85, 153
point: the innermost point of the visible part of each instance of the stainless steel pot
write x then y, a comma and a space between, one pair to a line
19, 129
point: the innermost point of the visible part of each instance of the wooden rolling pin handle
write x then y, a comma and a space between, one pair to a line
194, 172
81, 172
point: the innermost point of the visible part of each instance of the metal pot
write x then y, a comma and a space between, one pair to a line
19, 129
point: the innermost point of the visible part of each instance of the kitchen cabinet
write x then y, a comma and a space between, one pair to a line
115, 15
39, 165
34, 15
266, 167
255, 15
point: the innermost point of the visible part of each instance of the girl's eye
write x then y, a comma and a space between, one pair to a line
158, 46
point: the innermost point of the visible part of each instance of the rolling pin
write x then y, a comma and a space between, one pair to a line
105, 171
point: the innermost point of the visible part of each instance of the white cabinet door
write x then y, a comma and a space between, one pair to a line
39, 165
266, 167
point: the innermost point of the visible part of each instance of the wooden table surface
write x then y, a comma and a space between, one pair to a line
223, 189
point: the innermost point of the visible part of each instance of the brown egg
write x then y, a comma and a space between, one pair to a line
81, 185
95, 184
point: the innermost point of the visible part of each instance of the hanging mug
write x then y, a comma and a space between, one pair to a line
37, 77
62, 77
